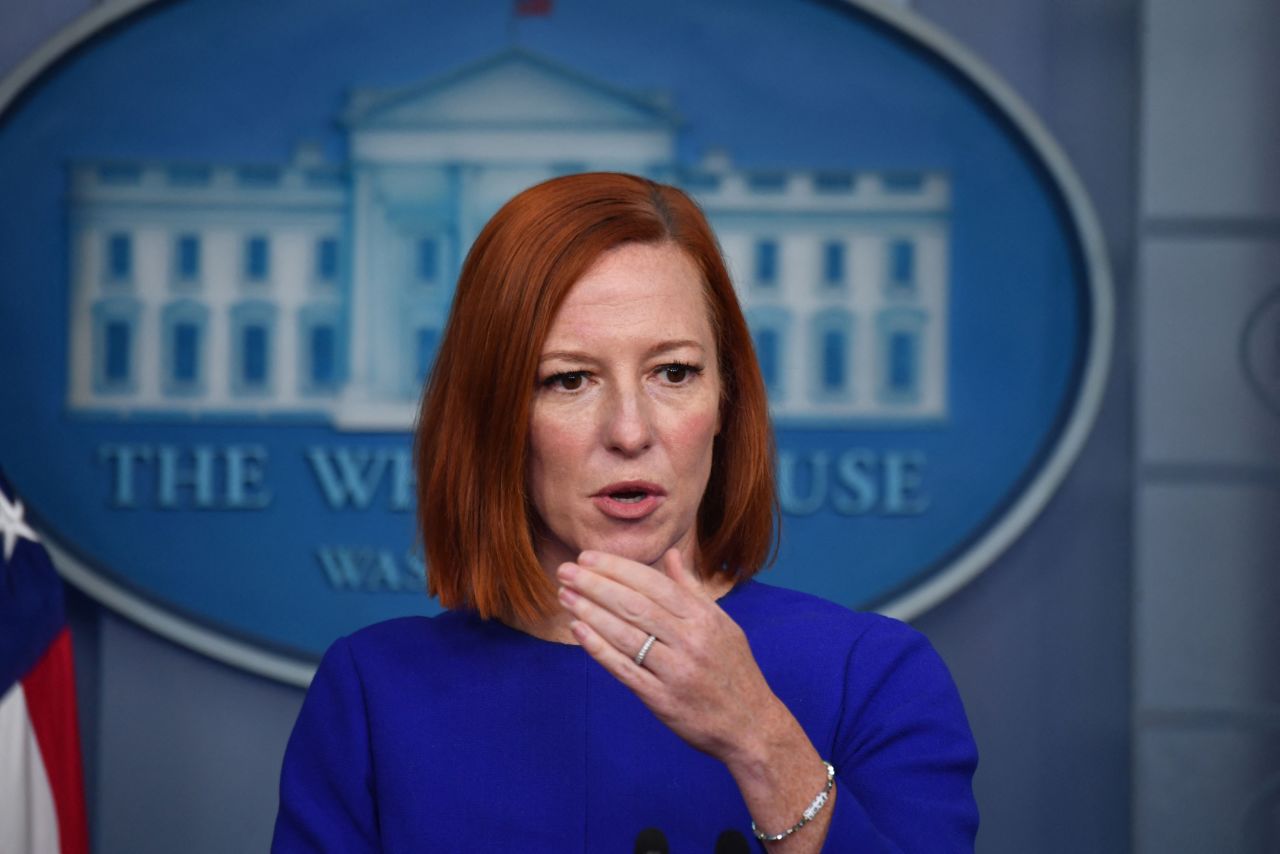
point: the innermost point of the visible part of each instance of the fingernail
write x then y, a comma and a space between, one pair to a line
588, 558
566, 572
567, 596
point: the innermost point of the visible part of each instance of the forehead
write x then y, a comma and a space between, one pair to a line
644, 289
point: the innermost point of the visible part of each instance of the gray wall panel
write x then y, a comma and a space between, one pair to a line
1206, 632
1196, 788
1196, 403
1207, 718
1210, 123
190, 749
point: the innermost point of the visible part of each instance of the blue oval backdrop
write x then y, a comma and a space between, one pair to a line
231, 230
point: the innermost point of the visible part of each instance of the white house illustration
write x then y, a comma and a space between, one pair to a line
318, 290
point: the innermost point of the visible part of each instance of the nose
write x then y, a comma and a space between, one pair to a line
628, 426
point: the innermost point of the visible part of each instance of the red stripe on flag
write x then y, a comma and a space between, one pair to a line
533, 7
50, 690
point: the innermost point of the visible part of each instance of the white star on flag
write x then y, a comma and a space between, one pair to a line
12, 525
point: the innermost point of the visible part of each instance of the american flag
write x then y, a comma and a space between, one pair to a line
41, 782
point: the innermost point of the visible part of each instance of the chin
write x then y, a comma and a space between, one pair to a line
647, 550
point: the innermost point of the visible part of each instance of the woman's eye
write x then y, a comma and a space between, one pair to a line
678, 373
569, 381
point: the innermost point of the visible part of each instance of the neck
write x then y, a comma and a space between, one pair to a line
554, 628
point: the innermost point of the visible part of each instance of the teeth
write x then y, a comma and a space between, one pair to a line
628, 497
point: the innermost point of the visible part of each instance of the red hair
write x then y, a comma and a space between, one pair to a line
475, 516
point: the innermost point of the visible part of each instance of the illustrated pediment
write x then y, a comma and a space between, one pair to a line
512, 88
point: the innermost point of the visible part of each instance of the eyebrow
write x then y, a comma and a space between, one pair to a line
656, 350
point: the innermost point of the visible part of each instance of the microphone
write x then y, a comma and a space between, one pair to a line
652, 841
732, 842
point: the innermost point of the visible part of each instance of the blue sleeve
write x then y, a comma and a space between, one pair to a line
904, 754
326, 786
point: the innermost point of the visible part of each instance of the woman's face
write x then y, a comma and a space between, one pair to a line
625, 410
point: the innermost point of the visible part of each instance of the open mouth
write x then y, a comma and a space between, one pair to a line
630, 499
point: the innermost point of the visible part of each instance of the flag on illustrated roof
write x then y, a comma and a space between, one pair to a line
533, 7
41, 783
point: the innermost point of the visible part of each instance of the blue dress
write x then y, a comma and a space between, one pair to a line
458, 734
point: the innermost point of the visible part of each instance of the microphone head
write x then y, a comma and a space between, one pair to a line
732, 842
652, 841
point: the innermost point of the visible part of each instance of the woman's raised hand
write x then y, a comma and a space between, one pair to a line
699, 677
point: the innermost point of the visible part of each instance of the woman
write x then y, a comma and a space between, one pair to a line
594, 493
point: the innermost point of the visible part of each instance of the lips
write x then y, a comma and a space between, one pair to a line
629, 499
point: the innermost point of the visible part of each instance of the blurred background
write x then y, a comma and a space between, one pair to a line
1119, 662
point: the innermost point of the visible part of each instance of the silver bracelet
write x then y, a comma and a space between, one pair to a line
814, 808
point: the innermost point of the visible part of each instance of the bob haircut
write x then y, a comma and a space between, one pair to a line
477, 522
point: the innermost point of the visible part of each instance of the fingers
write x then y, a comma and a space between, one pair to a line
678, 572
624, 602
628, 604
623, 636
644, 683
657, 586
